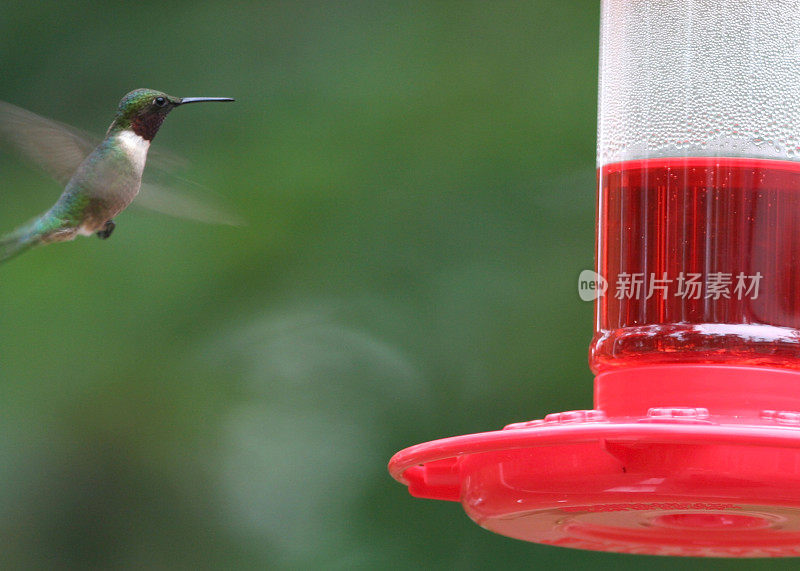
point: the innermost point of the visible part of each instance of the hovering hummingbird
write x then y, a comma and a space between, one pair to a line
98, 186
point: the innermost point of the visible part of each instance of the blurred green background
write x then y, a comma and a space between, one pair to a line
418, 184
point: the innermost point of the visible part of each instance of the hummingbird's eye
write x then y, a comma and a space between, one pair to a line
160, 101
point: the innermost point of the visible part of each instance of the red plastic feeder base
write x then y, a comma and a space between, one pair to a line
674, 460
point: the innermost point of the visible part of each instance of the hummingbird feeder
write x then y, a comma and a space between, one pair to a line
693, 444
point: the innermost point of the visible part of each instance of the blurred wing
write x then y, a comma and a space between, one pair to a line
55, 147
197, 204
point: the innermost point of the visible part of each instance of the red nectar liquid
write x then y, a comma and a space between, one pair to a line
702, 260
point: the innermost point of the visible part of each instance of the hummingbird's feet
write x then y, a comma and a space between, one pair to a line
108, 228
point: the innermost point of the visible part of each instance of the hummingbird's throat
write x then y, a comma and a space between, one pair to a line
135, 146
146, 126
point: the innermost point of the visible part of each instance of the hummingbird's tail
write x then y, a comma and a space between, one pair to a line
20, 240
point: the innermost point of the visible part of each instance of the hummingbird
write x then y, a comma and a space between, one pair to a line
99, 184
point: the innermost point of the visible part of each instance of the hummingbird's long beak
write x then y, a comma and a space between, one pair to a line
200, 99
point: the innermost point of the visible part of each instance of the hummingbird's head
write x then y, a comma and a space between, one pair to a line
143, 110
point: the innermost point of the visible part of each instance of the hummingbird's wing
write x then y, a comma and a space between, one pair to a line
53, 146
196, 205
59, 150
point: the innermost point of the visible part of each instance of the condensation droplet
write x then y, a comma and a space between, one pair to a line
714, 78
